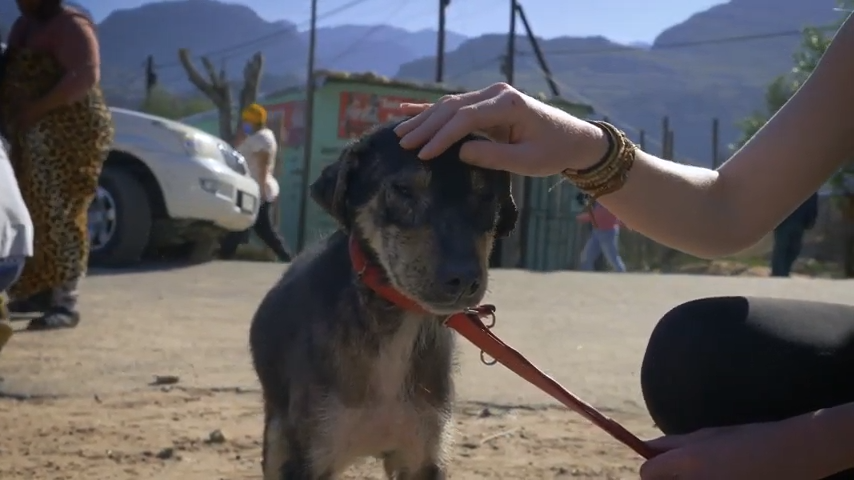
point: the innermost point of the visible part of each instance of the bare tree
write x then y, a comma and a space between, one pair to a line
217, 88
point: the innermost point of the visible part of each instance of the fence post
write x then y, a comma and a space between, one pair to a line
670, 152
715, 142
642, 140
665, 128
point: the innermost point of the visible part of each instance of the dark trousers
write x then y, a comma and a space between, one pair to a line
264, 229
788, 241
734, 360
10, 271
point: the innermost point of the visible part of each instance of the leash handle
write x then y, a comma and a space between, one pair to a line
470, 326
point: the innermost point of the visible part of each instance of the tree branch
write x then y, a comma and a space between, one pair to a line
196, 78
251, 80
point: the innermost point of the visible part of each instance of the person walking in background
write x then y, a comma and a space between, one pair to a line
59, 131
604, 239
789, 236
16, 238
257, 144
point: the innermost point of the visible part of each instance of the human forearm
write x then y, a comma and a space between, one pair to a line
677, 205
815, 445
829, 440
710, 213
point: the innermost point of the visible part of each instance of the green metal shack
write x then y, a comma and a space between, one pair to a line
345, 106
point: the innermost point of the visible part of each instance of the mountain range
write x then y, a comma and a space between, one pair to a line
715, 64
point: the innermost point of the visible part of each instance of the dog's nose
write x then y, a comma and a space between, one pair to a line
460, 279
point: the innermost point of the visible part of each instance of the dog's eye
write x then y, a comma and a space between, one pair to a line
403, 190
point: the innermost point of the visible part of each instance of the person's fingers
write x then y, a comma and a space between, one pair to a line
442, 112
420, 112
432, 123
484, 115
414, 108
663, 467
669, 442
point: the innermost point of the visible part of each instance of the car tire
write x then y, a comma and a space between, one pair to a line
131, 219
203, 251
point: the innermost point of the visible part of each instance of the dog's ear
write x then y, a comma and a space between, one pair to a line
508, 214
330, 189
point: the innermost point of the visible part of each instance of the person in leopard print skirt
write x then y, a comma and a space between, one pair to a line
59, 130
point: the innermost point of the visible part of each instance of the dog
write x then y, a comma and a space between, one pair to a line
346, 374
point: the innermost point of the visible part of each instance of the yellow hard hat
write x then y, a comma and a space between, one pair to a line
255, 114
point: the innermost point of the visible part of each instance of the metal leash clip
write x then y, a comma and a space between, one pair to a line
484, 311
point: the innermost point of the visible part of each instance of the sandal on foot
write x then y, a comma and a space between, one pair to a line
55, 318
37, 303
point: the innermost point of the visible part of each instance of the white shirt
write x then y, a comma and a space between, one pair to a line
263, 140
16, 226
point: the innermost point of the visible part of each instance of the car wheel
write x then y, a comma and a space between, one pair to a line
119, 220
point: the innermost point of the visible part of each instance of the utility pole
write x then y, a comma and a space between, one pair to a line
440, 42
541, 58
512, 249
309, 130
510, 58
150, 76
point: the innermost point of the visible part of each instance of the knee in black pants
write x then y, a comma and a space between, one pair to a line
735, 360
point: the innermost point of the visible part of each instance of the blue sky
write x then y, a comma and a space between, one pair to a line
620, 20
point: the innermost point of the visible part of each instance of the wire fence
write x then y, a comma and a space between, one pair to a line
828, 247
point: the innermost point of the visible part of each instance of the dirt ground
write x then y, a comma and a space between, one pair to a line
80, 404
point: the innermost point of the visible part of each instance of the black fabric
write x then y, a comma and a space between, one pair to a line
736, 360
264, 229
805, 216
788, 242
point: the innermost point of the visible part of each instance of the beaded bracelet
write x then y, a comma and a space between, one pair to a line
610, 173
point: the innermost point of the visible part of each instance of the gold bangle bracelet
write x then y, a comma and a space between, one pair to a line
611, 173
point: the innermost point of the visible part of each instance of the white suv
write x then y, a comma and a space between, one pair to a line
167, 185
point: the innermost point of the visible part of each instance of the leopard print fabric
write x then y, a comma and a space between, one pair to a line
57, 163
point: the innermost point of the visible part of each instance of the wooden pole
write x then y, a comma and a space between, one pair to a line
309, 129
440, 42
716, 159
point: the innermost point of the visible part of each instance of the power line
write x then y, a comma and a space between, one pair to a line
354, 45
269, 36
693, 43
476, 68
577, 95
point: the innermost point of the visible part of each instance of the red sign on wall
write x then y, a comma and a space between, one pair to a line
292, 115
359, 111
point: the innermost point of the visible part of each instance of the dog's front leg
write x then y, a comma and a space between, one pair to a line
427, 472
425, 457
282, 457
274, 453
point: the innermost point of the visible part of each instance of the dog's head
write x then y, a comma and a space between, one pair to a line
430, 225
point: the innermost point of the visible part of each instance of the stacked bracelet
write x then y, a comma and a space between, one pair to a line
611, 172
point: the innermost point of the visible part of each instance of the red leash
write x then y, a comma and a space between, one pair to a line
469, 325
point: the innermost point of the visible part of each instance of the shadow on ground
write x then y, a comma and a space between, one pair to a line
145, 267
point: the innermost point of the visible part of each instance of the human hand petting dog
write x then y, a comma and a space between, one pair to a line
531, 138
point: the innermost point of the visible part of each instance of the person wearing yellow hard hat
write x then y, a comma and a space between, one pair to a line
257, 144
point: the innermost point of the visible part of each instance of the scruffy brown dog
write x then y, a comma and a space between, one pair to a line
347, 374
